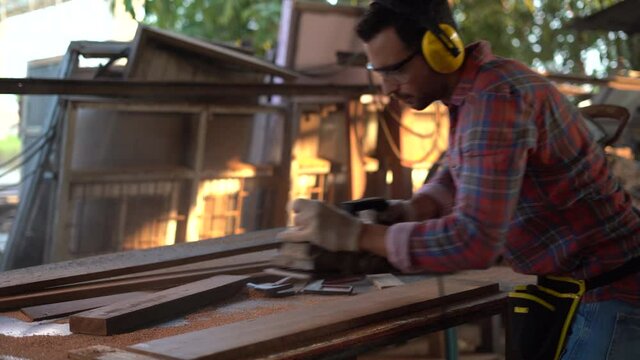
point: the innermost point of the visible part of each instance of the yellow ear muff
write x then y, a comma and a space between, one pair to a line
437, 55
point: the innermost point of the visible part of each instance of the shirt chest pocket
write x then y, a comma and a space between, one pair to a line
455, 164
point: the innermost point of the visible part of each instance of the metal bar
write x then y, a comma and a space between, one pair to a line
451, 343
172, 90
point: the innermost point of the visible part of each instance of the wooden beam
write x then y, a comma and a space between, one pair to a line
239, 269
104, 266
128, 315
84, 291
170, 91
278, 332
57, 247
55, 310
239, 264
153, 37
101, 49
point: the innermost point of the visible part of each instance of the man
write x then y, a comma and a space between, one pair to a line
524, 180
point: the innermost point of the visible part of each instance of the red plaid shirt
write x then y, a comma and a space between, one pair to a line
523, 180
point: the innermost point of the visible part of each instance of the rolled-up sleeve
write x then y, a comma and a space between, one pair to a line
496, 132
441, 189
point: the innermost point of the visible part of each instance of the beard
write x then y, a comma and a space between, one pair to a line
418, 103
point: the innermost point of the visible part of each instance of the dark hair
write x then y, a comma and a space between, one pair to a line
410, 18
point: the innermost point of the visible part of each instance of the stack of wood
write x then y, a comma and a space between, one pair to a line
121, 292
161, 281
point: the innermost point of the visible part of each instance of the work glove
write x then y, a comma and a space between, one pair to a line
323, 225
398, 211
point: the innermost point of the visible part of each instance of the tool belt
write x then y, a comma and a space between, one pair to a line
540, 316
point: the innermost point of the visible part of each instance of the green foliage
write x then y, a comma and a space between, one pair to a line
538, 33
242, 22
250, 23
9, 147
533, 31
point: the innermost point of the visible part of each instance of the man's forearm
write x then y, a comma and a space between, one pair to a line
425, 207
373, 236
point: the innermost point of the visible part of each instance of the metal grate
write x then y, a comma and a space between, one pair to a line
123, 216
220, 207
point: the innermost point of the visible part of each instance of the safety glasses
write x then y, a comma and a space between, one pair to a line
393, 71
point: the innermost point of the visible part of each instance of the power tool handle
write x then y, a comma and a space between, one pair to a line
373, 203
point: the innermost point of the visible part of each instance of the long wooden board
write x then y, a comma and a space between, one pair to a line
114, 287
356, 341
397, 330
278, 332
103, 266
127, 315
229, 262
55, 310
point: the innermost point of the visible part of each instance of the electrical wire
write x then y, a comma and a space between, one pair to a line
360, 141
24, 150
395, 148
17, 185
395, 118
27, 155
24, 161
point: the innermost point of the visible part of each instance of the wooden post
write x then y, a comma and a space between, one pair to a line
171, 232
57, 247
282, 173
122, 220
352, 141
189, 230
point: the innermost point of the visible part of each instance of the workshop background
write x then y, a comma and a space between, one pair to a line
90, 175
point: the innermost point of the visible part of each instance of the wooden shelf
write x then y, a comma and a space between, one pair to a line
255, 171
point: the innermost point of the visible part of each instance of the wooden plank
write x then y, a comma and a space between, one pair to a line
115, 287
397, 330
104, 266
279, 332
232, 265
127, 315
101, 352
55, 310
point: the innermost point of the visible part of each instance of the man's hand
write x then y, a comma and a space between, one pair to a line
323, 225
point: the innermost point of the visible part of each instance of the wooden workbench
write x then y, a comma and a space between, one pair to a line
248, 306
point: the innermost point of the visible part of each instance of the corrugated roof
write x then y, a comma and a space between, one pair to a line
215, 52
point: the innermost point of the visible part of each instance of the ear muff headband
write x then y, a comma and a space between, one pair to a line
439, 48
442, 47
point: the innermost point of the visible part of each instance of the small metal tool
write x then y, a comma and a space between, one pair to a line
318, 287
280, 288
